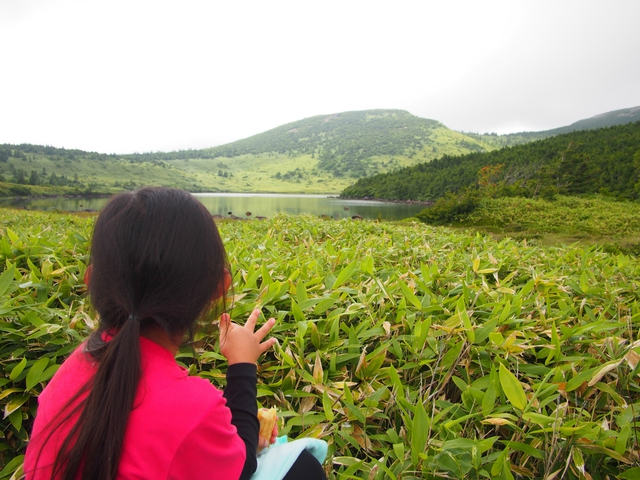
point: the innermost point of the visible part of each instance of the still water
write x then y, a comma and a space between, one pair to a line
249, 205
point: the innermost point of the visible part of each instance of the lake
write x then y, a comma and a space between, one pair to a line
257, 204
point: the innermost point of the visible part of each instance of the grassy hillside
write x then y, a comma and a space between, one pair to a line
605, 160
322, 154
356, 144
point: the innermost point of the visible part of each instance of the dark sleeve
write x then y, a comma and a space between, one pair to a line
241, 399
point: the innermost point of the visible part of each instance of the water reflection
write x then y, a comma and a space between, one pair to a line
245, 205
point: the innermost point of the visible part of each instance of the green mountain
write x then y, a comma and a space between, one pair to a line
350, 143
609, 119
604, 160
321, 154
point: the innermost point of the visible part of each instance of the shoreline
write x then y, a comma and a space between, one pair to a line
386, 200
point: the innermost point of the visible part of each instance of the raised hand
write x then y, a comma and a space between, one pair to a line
240, 344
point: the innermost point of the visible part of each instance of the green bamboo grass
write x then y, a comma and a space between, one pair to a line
416, 352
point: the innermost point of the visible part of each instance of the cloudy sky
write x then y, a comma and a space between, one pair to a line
121, 76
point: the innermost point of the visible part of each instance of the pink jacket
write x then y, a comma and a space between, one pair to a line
180, 427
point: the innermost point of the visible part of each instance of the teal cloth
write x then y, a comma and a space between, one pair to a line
274, 462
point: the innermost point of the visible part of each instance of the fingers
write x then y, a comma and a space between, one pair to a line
266, 345
241, 344
263, 330
253, 319
262, 443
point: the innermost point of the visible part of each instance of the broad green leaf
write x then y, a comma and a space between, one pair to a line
512, 388
344, 275
631, 474
326, 406
14, 404
6, 278
483, 331
538, 418
622, 439
395, 379
579, 379
528, 449
612, 393
505, 312
35, 372
17, 370
356, 412
16, 419
12, 236
409, 295
9, 391
398, 449
466, 322
367, 265
266, 277
301, 292
297, 312
324, 305
499, 464
419, 432
460, 444
14, 463
489, 400
599, 449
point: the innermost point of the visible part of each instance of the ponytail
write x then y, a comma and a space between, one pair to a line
99, 432
157, 261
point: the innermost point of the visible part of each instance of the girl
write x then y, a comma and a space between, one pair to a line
120, 406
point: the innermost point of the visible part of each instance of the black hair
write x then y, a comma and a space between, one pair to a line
157, 259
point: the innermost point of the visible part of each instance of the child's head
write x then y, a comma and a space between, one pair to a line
156, 256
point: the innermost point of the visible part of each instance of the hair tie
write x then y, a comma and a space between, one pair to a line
134, 318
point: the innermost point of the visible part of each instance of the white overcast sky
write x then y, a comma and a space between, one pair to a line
121, 76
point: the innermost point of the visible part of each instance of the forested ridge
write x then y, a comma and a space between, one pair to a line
605, 160
336, 146
344, 142
321, 154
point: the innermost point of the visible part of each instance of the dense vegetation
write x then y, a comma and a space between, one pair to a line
344, 142
614, 225
317, 155
605, 160
416, 352
322, 154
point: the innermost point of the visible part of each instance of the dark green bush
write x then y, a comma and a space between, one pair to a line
451, 208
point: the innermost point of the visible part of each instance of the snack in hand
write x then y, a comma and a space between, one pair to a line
267, 418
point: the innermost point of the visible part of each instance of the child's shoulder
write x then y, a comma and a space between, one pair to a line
168, 382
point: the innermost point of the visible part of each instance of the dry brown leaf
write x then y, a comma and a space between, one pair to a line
603, 371
496, 421
632, 359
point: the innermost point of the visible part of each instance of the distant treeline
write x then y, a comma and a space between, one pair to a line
604, 161
21, 150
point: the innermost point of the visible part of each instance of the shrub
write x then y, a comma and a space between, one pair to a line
451, 208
